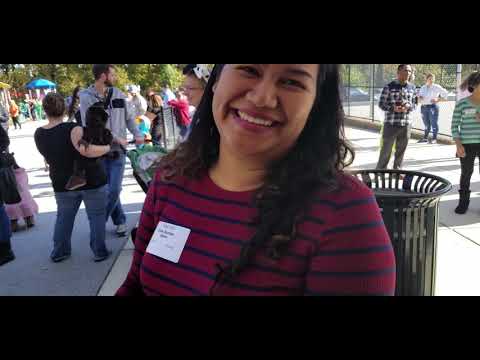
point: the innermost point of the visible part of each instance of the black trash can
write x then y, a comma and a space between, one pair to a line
409, 203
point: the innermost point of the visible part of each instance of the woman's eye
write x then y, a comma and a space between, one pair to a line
294, 83
250, 70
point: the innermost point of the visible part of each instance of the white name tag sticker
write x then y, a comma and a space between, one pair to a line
168, 241
470, 111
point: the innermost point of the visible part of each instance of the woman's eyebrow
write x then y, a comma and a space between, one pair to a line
299, 72
296, 71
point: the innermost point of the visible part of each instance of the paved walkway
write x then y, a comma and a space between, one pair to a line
32, 273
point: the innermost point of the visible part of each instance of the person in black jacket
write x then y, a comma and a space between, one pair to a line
6, 253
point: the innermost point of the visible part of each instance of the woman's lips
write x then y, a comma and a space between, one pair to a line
256, 125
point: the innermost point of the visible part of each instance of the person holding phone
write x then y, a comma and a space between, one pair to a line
398, 100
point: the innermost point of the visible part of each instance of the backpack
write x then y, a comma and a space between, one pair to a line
8, 183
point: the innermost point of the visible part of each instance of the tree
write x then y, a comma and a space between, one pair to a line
68, 76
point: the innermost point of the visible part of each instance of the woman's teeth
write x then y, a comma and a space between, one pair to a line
254, 120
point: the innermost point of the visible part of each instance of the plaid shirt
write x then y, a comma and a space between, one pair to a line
395, 94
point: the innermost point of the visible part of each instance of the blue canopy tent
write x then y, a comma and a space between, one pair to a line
41, 84
41, 87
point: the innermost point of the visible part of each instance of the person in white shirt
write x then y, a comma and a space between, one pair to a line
430, 95
136, 100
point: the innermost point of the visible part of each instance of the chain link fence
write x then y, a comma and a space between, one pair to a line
363, 84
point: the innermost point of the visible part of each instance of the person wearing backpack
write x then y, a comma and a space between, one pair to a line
120, 117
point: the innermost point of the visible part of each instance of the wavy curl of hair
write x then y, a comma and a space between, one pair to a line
313, 163
75, 101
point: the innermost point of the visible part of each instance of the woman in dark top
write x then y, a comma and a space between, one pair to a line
6, 254
58, 143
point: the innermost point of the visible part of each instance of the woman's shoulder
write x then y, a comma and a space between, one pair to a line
348, 188
349, 196
62, 129
350, 203
160, 181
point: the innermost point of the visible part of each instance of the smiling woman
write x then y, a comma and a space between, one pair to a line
258, 197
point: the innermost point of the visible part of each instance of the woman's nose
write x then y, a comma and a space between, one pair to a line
264, 94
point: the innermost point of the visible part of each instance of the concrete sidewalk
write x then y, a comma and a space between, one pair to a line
458, 262
32, 273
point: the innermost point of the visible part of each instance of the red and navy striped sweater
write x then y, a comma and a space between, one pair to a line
341, 248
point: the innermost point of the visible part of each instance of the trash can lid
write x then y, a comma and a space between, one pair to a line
401, 184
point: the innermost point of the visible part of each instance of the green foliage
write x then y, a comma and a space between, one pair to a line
156, 76
68, 76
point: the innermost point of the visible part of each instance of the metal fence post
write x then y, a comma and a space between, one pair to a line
459, 79
348, 88
372, 92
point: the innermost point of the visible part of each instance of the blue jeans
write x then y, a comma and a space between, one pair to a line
67, 208
430, 119
5, 231
115, 170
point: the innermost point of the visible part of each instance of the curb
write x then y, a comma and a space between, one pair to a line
367, 124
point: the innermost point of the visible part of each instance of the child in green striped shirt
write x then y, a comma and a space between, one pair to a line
466, 133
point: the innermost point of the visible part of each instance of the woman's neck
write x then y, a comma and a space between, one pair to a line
52, 122
100, 87
235, 173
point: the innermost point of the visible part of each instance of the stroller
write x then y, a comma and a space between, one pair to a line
142, 161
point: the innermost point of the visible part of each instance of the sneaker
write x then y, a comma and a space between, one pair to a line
14, 225
433, 141
99, 258
30, 221
423, 140
121, 230
61, 258
75, 182
7, 257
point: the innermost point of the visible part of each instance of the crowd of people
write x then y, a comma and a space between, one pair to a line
80, 168
26, 109
254, 199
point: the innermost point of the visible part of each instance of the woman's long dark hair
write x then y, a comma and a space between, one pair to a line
312, 164
74, 104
